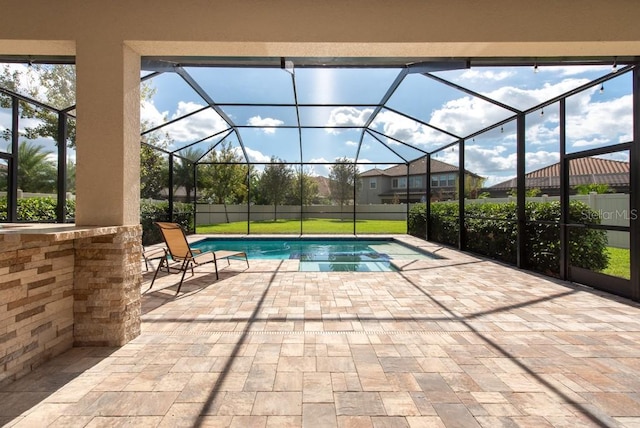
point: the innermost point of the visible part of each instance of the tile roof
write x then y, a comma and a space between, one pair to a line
415, 168
588, 170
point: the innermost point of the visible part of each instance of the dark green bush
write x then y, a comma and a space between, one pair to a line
498, 238
43, 209
151, 211
37, 209
417, 220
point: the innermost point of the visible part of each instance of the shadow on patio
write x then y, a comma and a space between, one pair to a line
472, 343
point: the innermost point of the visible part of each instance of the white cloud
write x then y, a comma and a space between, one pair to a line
600, 123
196, 126
189, 129
591, 142
347, 116
540, 159
150, 115
267, 121
526, 98
409, 131
574, 69
476, 74
316, 170
254, 155
466, 115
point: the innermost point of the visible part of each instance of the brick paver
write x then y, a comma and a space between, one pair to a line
455, 342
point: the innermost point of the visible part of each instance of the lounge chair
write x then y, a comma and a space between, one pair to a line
185, 257
150, 254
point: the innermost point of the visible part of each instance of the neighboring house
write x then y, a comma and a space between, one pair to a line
581, 171
179, 194
324, 190
388, 186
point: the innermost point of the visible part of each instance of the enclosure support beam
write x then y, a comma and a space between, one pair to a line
462, 236
634, 191
12, 196
195, 196
61, 207
521, 192
564, 193
428, 199
170, 190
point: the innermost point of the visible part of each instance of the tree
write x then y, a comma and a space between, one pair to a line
153, 172
529, 193
275, 183
343, 180
36, 173
71, 176
472, 186
224, 177
183, 170
53, 85
585, 189
304, 189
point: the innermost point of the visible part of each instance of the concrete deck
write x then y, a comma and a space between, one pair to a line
457, 342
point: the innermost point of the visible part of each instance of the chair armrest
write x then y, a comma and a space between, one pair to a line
154, 253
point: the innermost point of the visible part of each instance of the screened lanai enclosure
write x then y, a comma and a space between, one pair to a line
532, 162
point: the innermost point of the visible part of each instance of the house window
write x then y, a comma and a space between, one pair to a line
415, 182
452, 180
434, 181
399, 183
443, 180
373, 183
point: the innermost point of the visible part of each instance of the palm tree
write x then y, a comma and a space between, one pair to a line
183, 169
36, 173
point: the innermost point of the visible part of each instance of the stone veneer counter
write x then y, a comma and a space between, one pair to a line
63, 286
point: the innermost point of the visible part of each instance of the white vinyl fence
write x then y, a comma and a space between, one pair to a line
215, 213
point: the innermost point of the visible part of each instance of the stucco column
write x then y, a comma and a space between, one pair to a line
107, 274
108, 133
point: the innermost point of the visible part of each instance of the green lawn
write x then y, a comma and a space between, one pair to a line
309, 226
619, 262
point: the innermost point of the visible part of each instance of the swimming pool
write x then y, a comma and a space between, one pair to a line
322, 255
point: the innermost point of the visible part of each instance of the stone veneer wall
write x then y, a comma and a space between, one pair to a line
57, 290
107, 288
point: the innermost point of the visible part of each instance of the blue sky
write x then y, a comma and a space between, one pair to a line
595, 118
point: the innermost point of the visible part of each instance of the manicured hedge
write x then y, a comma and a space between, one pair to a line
43, 209
151, 211
498, 238
37, 209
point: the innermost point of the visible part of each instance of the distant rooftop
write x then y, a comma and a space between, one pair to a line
582, 171
415, 168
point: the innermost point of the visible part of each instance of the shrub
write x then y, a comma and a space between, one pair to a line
491, 230
417, 220
37, 209
43, 209
151, 211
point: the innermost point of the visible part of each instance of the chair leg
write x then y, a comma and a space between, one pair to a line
215, 265
157, 270
185, 266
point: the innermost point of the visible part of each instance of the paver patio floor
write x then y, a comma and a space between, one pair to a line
457, 342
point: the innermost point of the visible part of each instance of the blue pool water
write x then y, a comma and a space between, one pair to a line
325, 255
